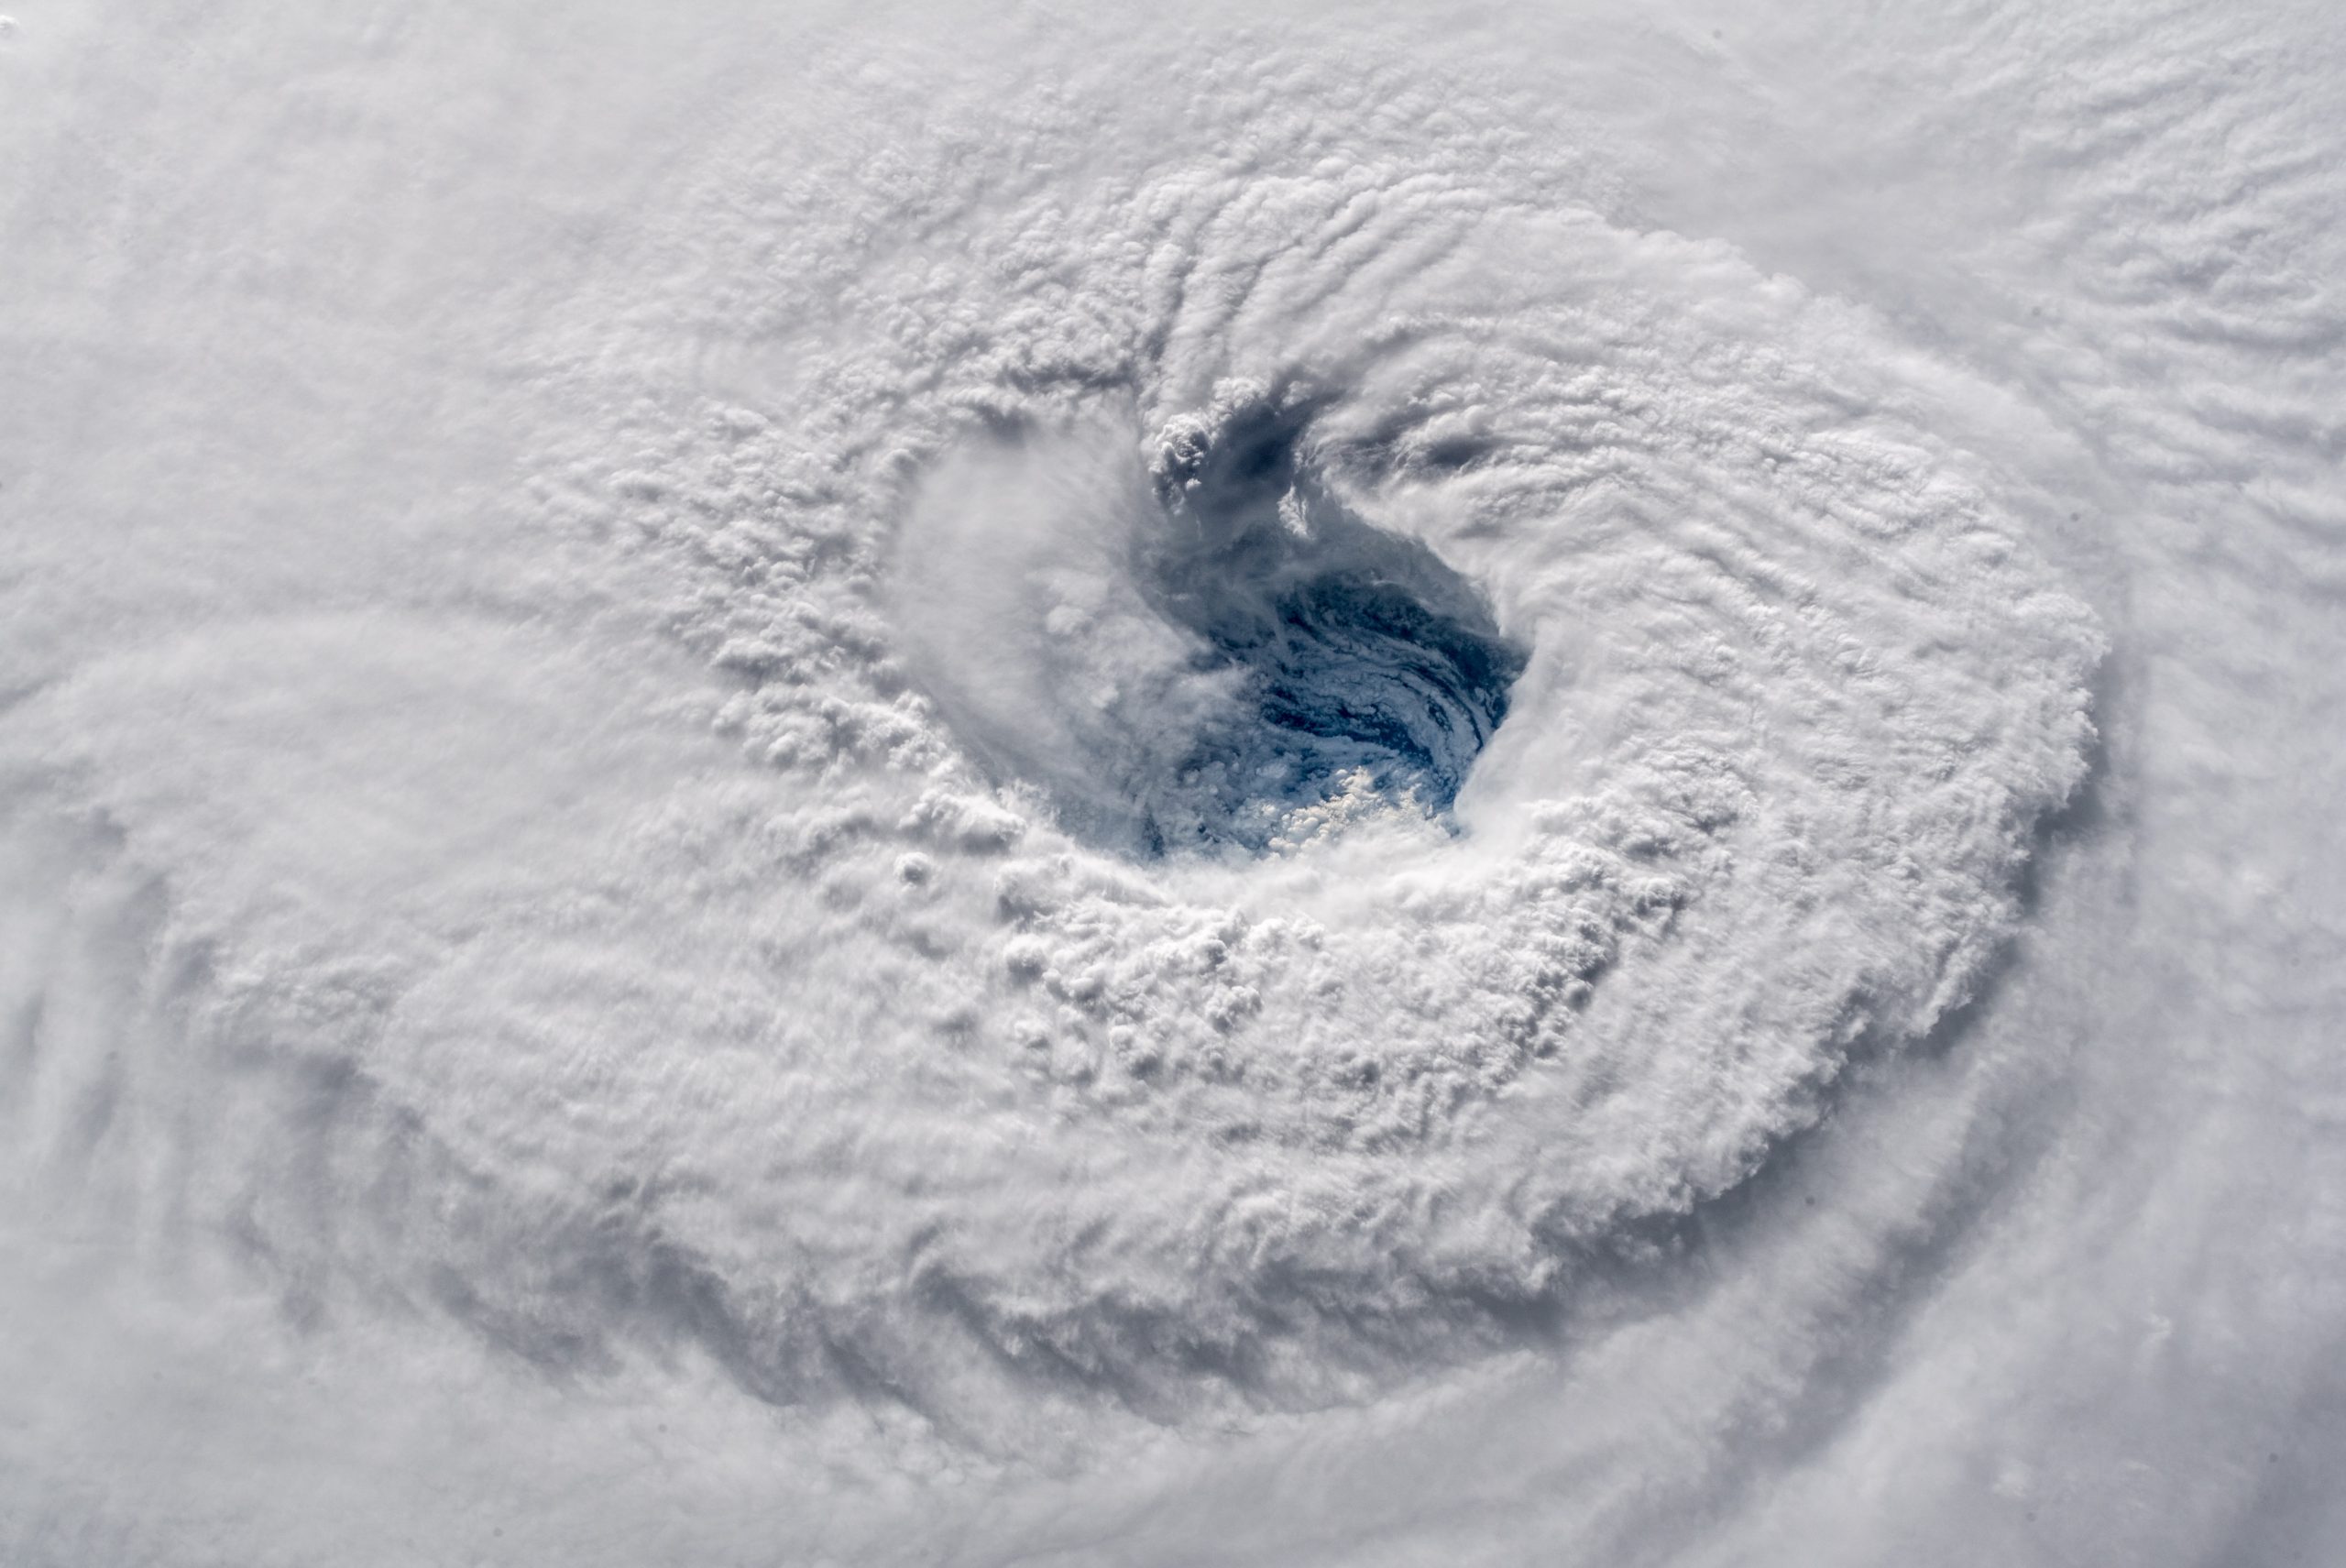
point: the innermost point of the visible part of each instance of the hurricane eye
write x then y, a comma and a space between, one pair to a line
1228, 659
1366, 665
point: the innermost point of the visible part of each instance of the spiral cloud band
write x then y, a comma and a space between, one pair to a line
918, 786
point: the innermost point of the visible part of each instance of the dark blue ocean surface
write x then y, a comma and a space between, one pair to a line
1361, 655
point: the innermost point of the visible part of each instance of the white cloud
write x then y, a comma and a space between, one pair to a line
606, 627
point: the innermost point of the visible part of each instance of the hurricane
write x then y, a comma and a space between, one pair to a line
929, 784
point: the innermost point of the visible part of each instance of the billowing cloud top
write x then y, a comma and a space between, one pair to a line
993, 773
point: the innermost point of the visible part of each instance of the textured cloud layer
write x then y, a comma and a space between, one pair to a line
1068, 743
